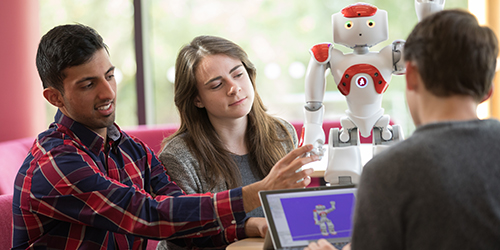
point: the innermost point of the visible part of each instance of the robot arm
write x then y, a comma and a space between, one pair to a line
332, 204
398, 63
425, 8
316, 221
315, 84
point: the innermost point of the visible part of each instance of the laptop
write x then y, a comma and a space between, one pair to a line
297, 217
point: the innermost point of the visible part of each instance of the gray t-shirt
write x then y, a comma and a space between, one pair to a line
438, 189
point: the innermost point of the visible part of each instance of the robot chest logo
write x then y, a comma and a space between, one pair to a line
361, 81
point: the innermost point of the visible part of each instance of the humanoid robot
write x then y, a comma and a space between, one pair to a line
323, 220
362, 77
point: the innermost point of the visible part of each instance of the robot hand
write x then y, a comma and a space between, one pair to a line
312, 132
332, 203
425, 8
398, 63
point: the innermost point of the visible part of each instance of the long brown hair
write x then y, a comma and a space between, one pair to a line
261, 137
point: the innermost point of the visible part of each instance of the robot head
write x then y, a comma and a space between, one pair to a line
320, 207
360, 25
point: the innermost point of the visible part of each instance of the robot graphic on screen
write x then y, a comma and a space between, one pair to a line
362, 77
323, 221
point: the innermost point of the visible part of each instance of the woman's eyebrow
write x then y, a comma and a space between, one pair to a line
220, 77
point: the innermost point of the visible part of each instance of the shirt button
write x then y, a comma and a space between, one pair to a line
233, 222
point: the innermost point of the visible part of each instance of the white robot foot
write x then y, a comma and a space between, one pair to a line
344, 161
332, 230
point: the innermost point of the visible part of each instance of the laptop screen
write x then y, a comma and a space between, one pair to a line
299, 216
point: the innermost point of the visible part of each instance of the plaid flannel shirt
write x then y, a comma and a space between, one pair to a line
75, 192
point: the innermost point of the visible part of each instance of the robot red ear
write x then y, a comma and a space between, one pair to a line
359, 10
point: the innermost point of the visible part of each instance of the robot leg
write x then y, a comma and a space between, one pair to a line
331, 228
384, 135
323, 229
344, 158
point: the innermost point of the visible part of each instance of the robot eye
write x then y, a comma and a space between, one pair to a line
370, 23
348, 25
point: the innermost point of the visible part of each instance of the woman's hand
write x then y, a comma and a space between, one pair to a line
283, 175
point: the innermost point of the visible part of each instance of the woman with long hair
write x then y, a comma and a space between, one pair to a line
225, 139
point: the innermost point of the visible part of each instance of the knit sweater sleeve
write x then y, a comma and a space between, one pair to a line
182, 166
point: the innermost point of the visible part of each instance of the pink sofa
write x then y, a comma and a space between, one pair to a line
12, 153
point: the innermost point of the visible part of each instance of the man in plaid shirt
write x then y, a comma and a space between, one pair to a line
86, 184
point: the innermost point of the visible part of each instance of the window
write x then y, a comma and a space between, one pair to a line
276, 34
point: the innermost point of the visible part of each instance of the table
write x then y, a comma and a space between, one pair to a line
247, 244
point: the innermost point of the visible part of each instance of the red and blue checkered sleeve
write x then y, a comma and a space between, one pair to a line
66, 184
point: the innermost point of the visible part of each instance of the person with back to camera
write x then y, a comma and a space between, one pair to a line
226, 138
86, 184
438, 189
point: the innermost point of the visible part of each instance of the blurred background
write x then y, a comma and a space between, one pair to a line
144, 37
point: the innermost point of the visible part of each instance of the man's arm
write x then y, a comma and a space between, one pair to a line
68, 186
65, 188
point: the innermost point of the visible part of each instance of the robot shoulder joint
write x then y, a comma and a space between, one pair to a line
321, 52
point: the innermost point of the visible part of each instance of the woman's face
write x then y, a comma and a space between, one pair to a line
224, 88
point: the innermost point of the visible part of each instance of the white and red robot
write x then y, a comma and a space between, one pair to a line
323, 220
362, 77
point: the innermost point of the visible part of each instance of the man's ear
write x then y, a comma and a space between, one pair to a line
198, 103
53, 96
488, 95
412, 76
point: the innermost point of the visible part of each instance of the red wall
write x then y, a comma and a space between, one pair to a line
22, 107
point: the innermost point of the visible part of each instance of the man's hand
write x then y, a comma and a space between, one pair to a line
256, 227
283, 175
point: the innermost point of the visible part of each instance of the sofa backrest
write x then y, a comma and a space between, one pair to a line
153, 135
12, 154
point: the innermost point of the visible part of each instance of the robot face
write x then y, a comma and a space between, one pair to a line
360, 25
320, 207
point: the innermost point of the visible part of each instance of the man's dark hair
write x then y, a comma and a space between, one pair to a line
62, 47
454, 55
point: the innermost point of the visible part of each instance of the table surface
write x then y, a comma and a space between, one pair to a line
247, 244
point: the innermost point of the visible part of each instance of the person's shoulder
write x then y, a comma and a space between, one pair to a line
289, 127
176, 146
54, 137
490, 124
176, 143
395, 155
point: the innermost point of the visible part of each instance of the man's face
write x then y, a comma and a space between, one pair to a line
90, 93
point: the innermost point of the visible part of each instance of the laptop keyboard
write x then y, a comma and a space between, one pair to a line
340, 245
